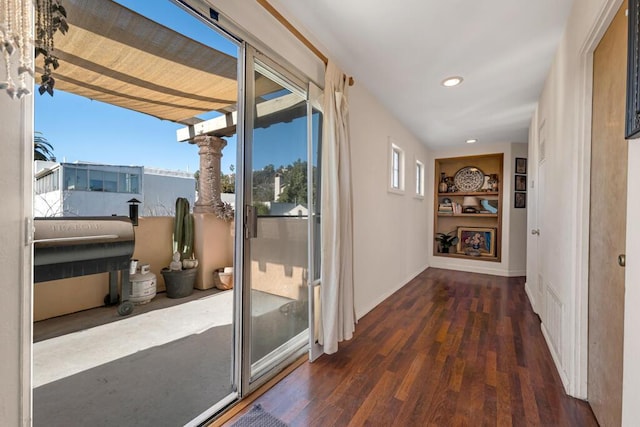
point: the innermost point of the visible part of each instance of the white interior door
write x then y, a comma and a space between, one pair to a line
540, 237
534, 220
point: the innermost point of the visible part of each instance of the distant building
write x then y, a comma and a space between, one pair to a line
161, 187
90, 189
287, 209
229, 198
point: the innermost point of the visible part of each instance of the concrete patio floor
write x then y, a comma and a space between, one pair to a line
163, 365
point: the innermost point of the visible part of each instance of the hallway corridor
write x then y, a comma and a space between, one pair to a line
448, 349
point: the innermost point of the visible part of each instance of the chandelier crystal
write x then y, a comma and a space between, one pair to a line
15, 42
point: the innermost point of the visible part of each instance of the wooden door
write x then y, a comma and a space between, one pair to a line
608, 224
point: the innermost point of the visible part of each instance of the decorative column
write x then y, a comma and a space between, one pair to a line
209, 183
212, 243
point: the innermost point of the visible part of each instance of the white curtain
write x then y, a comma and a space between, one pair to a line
336, 291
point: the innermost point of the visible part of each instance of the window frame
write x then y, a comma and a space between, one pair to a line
419, 182
396, 179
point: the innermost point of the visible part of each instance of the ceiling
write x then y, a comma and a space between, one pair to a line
402, 52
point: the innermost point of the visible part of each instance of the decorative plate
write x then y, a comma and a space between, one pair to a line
469, 179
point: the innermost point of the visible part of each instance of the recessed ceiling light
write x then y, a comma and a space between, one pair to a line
471, 141
452, 81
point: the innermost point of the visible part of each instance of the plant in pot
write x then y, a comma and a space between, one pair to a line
446, 240
180, 275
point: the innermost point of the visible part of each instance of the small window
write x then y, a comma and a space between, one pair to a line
110, 182
396, 168
128, 182
82, 179
419, 178
96, 180
69, 174
48, 182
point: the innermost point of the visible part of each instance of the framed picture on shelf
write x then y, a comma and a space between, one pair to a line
520, 200
521, 165
477, 241
521, 183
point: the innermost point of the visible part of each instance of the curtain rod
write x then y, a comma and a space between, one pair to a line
297, 34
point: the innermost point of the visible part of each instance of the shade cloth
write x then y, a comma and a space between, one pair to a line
117, 56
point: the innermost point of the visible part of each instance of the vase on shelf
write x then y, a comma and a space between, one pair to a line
442, 188
493, 181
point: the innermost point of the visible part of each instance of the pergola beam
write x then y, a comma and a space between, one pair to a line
268, 113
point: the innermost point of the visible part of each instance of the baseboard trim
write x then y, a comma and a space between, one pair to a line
362, 312
556, 359
470, 266
532, 300
516, 273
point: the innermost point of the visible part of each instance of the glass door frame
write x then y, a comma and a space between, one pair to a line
252, 57
315, 94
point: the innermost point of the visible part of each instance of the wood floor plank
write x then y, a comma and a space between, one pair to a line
410, 377
448, 349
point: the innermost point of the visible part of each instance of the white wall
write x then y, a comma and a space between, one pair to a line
15, 260
160, 193
565, 110
631, 367
390, 230
48, 204
96, 203
261, 28
514, 227
517, 231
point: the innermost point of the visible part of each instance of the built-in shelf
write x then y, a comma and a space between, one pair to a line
486, 223
477, 215
478, 258
476, 193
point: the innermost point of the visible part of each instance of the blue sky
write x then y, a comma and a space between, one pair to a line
84, 130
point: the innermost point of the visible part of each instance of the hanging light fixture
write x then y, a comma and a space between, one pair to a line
50, 17
16, 40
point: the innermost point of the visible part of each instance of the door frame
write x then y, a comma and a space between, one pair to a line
573, 367
579, 318
251, 55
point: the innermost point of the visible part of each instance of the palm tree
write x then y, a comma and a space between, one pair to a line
42, 149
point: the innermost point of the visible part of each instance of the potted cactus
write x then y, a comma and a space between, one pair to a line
180, 275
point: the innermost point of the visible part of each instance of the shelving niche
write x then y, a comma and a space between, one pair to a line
451, 222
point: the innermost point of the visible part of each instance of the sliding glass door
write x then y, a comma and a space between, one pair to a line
276, 251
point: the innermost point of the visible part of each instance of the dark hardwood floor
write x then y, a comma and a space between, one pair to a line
448, 349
